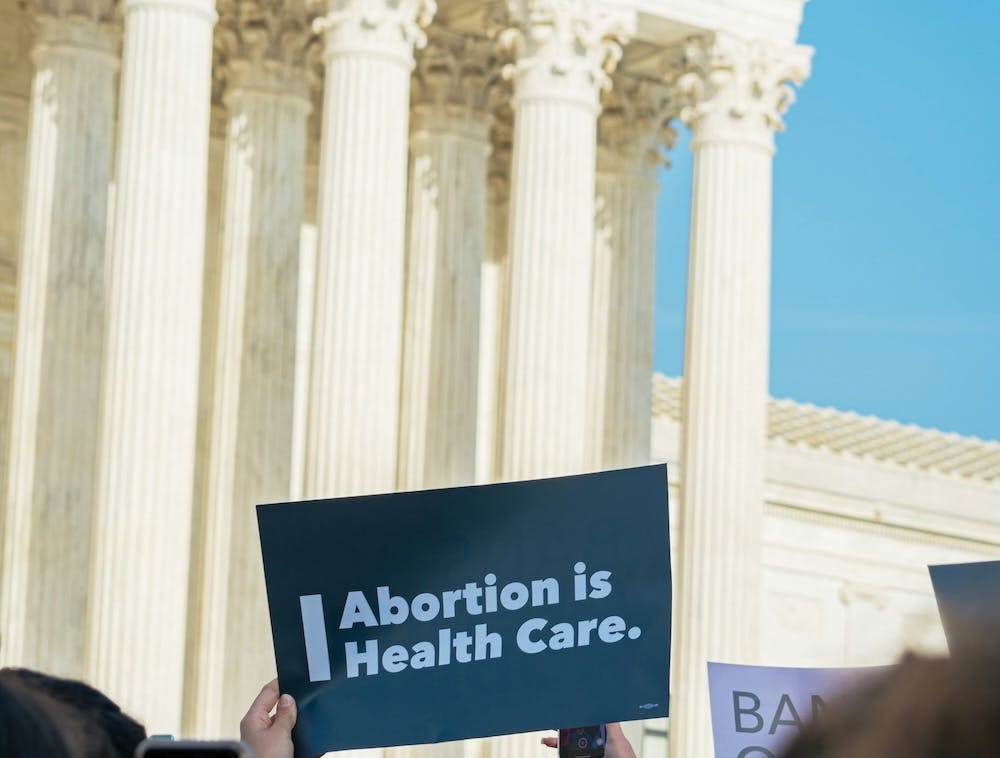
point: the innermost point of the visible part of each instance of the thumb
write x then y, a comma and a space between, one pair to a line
284, 717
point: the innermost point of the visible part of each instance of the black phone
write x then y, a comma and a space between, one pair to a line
583, 742
161, 748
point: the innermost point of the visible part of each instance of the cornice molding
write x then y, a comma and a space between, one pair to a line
861, 437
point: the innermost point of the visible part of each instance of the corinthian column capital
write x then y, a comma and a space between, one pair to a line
634, 124
376, 27
99, 11
452, 76
563, 48
80, 24
264, 46
730, 87
265, 32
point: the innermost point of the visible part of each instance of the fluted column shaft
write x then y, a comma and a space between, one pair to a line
150, 380
632, 131
562, 50
8, 288
12, 155
449, 146
551, 229
493, 301
724, 428
250, 458
357, 331
733, 118
60, 324
493, 308
193, 716
622, 326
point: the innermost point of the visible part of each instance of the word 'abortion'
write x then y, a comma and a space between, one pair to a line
473, 598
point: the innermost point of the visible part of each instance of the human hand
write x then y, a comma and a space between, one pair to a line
618, 745
269, 736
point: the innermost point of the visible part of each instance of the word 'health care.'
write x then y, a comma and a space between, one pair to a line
461, 646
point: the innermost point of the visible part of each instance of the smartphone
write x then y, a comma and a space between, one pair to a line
583, 742
161, 748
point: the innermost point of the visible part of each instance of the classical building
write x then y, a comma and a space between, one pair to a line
267, 249
854, 510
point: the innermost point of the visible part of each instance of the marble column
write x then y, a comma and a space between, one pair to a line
632, 132
267, 97
59, 330
734, 93
8, 304
193, 715
563, 51
449, 148
17, 33
307, 278
353, 425
149, 393
493, 293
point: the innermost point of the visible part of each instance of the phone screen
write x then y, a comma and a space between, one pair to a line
582, 742
160, 748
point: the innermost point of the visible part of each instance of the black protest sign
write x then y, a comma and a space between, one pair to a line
968, 599
446, 614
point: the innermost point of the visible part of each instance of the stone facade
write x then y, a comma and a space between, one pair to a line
855, 509
252, 251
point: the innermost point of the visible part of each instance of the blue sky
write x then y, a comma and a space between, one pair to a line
886, 256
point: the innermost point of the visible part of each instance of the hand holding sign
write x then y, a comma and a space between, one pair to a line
445, 614
269, 736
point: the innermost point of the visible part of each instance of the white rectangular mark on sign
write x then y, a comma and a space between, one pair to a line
314, 630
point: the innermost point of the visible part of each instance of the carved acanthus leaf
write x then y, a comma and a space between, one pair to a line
389, 23
454, 70
635, 120
725, 77
96, 11
577, 41
275, 32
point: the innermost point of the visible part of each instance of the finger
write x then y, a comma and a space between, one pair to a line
614, 730
618, 742
284, 718
550, 741
259, 714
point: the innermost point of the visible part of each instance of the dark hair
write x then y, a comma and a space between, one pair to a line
925, 707
31, 724
102, 730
